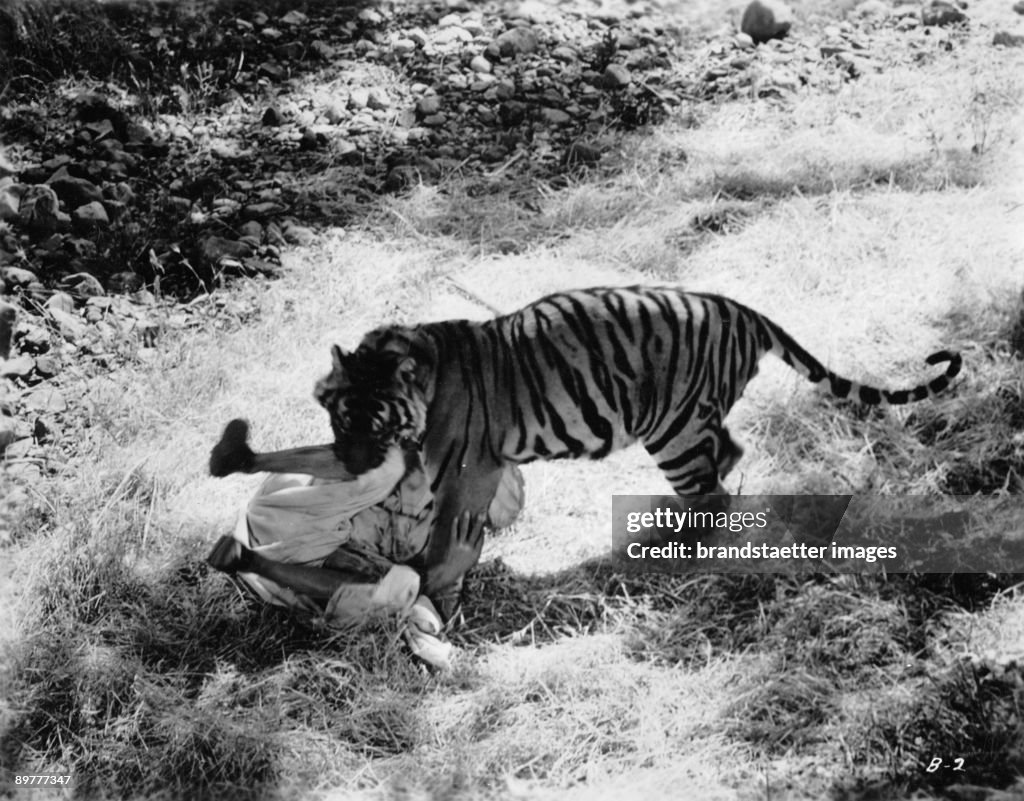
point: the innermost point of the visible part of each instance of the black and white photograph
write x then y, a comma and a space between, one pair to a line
512, 400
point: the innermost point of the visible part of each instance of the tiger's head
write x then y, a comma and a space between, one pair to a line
375, 402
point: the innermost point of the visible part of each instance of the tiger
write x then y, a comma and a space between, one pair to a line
576, 373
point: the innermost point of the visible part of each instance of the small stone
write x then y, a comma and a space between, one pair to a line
91, 215
70, 326
45, 399
370, 16
335, 112
554, 116
8, 436
47, 366
260, 211
272, 116
449, 35
480, 64
1007, 39
428, 104
321, 50
435, 120
8, 319
940, 13
744, 41
403, 46
294, 18
766, 19
378, 99
251, 229
39, 211
10, 202
565, 54
62, 301
358, 98
448, 20
515, 41
125, 282
73, 191
18, 276
299, 234
216, 248
18, 367
616, 76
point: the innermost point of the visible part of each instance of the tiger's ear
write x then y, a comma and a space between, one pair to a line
337, 359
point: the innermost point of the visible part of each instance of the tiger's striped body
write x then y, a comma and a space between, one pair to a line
579, 373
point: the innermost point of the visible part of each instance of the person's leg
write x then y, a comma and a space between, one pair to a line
230, 556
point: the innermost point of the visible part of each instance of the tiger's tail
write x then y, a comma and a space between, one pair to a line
792, 353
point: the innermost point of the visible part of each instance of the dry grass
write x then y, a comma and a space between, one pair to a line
875, 237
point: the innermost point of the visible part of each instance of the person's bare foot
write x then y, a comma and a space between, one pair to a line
229, 555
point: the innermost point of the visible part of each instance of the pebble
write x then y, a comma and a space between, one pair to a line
18, 367
480, 64
940, 13
1007, 39
428, 104
91, 215
8, 320
616, 76
515, 41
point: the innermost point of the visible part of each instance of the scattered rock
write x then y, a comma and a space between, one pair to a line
216, 248
46, 399
272, 117
295, 18
74, 191
125, 282
428, 104
378, 99
8, 320
82, 285
47, 366
766, 19
70, 326
581, 154
1019, 6
18, 367
616, 76
39, 210
8, 435
358, 98
91, 215
18, 277
941, 13
10, 202
513, 42
61, 301
554, 116
480, 64
1007, 39
298, 234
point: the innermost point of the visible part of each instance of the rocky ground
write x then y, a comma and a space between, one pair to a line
153, 155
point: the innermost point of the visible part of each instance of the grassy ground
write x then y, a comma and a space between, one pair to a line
861, 221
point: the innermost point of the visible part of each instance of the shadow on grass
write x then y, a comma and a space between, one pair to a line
177, 686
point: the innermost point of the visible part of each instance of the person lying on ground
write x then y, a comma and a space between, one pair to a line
337, 548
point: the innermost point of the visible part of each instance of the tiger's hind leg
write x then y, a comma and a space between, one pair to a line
730, 453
